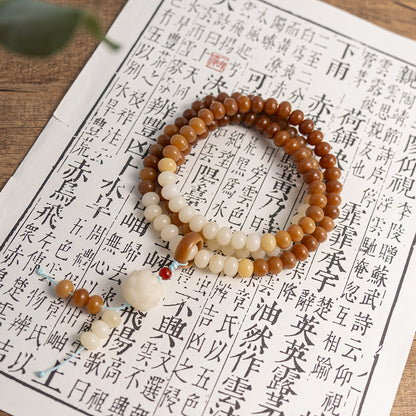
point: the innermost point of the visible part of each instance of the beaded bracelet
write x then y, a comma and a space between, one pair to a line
189, 233
277, 122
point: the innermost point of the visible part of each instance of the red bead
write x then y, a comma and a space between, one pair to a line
165, 273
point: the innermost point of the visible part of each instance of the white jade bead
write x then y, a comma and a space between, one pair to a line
111, 318
228, 250
193, 252
216, 263
224, 235
187, 213
169, 232
242, 253
142, 290
90, 341
201, 258
213, 244
170, 190
166, 177
210, 230
101, 329
230, 266
152, 211
150, 198
259, 254
161, 221
177, 203
238, 240
197, 223
253, 242
174, 242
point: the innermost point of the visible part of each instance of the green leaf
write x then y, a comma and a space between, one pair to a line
91, 23
35, 28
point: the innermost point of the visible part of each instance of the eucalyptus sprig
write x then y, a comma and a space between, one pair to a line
35, 28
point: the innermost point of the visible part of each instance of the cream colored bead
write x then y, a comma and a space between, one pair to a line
238, 240
90, 341
197, 223
201, 259
169, 231
152, 211
268, 242
142, 290
193, 252
170, 190
253, 242
245, 268
259, 254
166, 164
166, 177
160, 222
150, 198
187, 213
213, 244
174, 243
177, 203
100, 328
210, 230
242, 253
230, 266
111, 318
228, 250
224, 235
216, 263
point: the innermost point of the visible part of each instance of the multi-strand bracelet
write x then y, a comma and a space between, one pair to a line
192, 238
277, 122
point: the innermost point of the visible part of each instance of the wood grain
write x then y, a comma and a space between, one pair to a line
30, 90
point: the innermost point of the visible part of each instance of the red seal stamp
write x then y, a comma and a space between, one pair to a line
217, 62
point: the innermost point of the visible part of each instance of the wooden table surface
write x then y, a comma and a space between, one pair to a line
30, 90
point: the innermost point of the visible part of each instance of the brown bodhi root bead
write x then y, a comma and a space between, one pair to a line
310, 242
327, 224
275, 264
94, 304
300, 251
183, 250
261, 267
80, 297
288, 259
64, 288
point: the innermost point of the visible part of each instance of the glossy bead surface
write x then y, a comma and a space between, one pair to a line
152, 211
167, 164
160, 222
238, 240
170, 190
80, 297
150, 198
179, 141
94, 304
90, 341
64, 288
283, 239
316, 213
295, 232
216, 263
224, 236
111, 318
288, 259
260, 267
201, 259
307, 224
177, 203
300, 251
197, 222
230, 267
146, 186
166, 177
198, 125
253, 242
169, 232
210, 230
100, 328
310, 242
268, 242
275, 264
327, 224
245, 268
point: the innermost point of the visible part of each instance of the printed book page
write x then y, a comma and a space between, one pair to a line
327, 338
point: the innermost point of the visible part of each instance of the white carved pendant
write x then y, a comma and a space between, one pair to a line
142, 290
